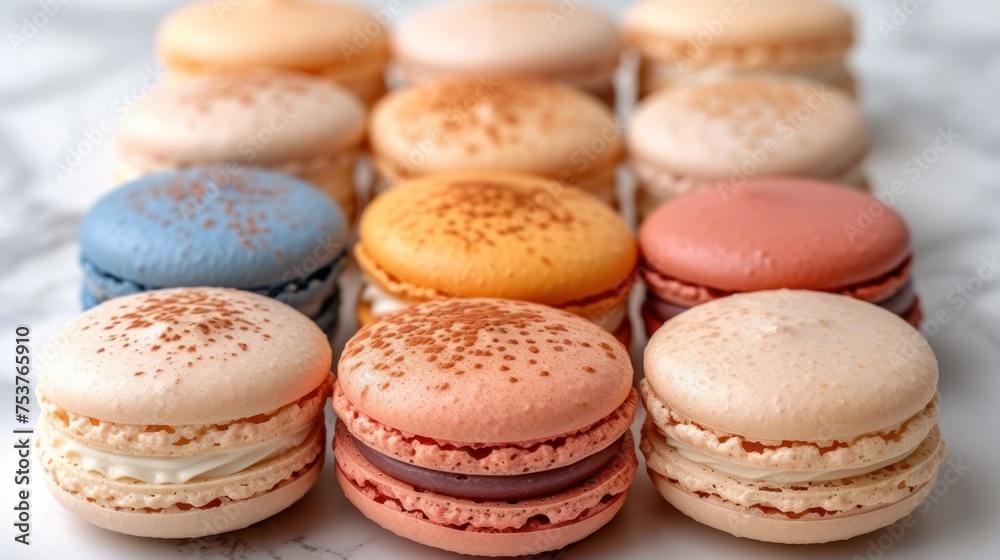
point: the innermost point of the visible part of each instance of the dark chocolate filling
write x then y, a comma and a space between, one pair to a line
492, 488
899, 303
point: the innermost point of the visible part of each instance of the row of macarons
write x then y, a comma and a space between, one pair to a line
491, 234
490, 426
568, 41
232, 97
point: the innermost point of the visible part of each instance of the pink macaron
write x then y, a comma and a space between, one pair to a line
485, 426
775, 233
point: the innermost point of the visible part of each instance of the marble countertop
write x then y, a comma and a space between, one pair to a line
931, 74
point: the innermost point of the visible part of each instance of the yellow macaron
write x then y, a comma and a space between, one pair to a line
488, 234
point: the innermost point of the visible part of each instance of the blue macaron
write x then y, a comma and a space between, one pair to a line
231, 227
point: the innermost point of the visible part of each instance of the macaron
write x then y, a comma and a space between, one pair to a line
775, 233
684, 41
791, 416
534, 450
292, 123
184, 412
518, 124
572, 43
706, 135
513, 236
339, 41
230, 227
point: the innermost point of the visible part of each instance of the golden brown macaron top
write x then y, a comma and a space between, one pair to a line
504, 235
503, 123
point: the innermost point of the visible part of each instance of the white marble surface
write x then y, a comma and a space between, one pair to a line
938, 69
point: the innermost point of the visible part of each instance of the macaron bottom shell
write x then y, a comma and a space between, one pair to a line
837, 510
317, 296
83, 492
449, 523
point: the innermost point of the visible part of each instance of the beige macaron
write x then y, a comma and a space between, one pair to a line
339, 41
719, 135
516, 124
565, 41
791, 416
287, 122
184, 412
683, 41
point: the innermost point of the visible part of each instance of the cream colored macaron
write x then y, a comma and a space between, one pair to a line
507, 235
339, 41
287, 122
684, 41
508, 123
721, 134
565, 41
791, 416
184, 412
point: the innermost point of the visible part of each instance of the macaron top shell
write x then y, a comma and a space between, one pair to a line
295, 34
499, 235
790, 365
504, 371
514, 124
184, 356
750, 22
753, 126
205, 226
263, 118
516, 36
775, 233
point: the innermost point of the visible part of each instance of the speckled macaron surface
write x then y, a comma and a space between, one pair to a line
284, 120
516, 124
531, 395
791, 416
216, 226
166, 411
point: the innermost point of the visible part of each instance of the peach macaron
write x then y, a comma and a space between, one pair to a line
508, 123
534, 451
700, 136
775, 233
684, 41
338, 41
287, 122
183, 412
506, 235
791, 416
573, 43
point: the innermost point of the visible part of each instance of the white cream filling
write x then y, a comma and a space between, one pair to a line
776, 475
383, 303
613, 319
174, 470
